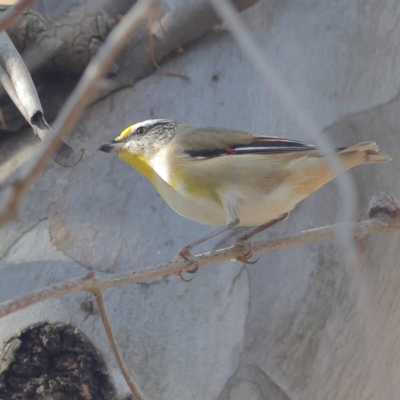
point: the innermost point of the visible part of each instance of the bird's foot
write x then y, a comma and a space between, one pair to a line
245, 258
184, 253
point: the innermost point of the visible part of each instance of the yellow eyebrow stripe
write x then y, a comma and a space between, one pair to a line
124, 133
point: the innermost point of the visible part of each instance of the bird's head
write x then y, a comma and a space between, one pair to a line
140, 143
143, 139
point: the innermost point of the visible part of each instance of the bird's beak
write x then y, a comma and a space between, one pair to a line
113, 148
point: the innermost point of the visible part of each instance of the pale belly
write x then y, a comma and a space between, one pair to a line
257, 210
253, 208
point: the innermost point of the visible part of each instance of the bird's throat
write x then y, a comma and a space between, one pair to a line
140, 163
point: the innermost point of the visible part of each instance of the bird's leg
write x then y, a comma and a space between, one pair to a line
244, 240
185, 253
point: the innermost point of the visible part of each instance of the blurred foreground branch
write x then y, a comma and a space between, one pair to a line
275, 82
14, 12
384, 206
76, 103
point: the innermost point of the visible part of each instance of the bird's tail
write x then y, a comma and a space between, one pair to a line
311, 173
361, 154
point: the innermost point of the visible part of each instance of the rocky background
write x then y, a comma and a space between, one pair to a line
291, 326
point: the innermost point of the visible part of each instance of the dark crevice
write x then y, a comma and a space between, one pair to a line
54, 361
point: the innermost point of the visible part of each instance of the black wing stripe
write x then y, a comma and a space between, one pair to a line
207, 153
280, 143
243, 150
264, 146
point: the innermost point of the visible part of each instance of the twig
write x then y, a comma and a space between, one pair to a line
153, 57
14, 12
93, 284
114, 347
79, 99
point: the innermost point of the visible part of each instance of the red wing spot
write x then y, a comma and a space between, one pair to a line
230, 150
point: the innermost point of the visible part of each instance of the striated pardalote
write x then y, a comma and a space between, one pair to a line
218, 176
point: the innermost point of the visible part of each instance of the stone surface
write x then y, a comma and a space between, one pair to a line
298, 324
246, 390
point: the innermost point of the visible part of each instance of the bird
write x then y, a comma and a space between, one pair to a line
218, 176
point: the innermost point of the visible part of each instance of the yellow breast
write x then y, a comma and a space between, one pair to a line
191, 199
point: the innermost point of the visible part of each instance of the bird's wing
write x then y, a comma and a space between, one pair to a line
212, 142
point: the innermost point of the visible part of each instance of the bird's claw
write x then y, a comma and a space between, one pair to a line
194, 264
245, 258
182, 278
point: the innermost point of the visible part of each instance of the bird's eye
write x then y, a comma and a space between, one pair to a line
140, 130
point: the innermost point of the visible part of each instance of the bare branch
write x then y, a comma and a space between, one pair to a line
13, 13
76, 103
93, 284
77, 285
114, 347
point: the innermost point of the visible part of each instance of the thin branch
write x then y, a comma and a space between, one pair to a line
84, 284
14, 12
185, 23
311, 128
76, 103
93, 284
114, 347
153, 57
